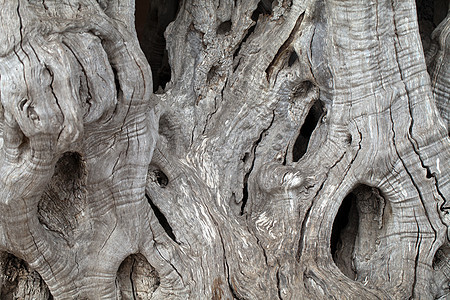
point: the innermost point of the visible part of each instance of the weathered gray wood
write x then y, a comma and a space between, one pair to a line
439, 67
200, 190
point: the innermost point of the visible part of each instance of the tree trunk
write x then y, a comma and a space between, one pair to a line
251, 150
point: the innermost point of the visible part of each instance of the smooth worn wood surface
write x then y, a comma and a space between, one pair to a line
224, 149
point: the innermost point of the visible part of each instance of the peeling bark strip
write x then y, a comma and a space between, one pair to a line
292, 150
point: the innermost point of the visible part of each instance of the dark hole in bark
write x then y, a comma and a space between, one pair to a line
211, 74
357, 228
246, 156
310, 123
264, 8
429, 14
292, 58
345, 227
20, 281
224, 27
116, 80
136, 278
70, 166
349, 139
441, 269
440, 10
437, 259
161, 178
283, 50
245, 193
161, 219
429, 175
152, 19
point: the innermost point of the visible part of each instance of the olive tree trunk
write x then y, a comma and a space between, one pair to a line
280, 150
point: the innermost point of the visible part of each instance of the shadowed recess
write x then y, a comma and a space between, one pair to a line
18, 281
429, 14
441, 270
238, 49
136, 278
162, 219
360, 221
224, 27
264, 8
343, 235
293, 57
244, 194
152, 19
310, 123
159, 177
63, 202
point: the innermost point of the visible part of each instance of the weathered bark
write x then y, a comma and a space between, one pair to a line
297, 151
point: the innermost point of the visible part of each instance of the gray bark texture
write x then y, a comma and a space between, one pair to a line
206, 149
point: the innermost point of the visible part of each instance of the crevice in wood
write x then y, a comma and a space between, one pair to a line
133, 289
20, 26
161, 219
263, 249
408, 172
85, 89
312, 119
44, 5
216, 107
247, 174
245, 191
152, 19
308, 212
293, 57
116, 81
298, 256
416, 258
264, 7
440, 9
230, 286
238, 49
284, 47
415, 146
430, 175
278, 284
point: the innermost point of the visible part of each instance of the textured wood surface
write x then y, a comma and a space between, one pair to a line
280, 150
